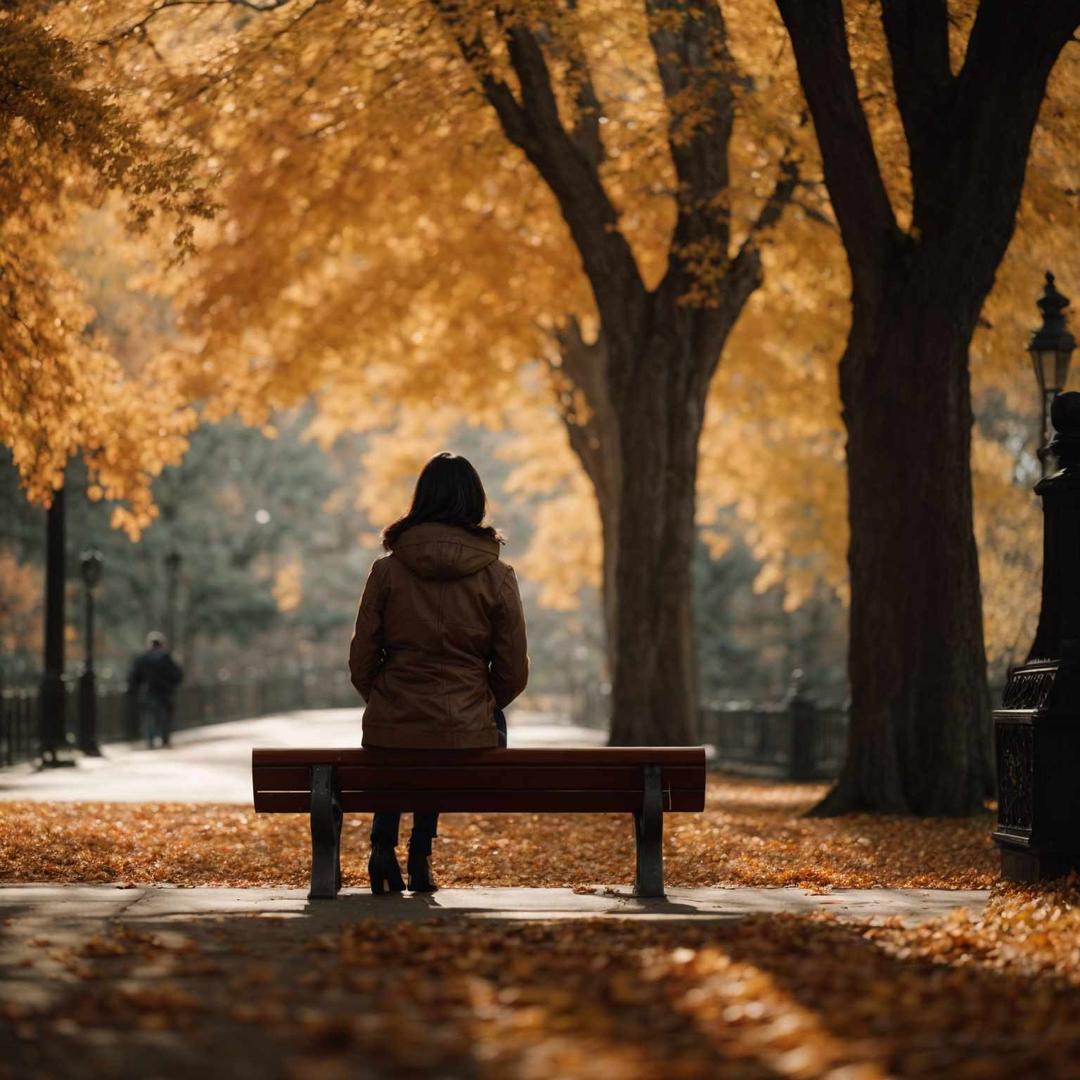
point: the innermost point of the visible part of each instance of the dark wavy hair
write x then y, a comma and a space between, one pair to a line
448, 490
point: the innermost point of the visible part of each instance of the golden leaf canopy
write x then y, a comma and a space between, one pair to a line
383, 247
66, 143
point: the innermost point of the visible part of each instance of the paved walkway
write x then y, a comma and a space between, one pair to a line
73, 904
213, 764
43, 925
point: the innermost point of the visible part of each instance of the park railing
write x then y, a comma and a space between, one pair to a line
197, 705
796, 738
18, 726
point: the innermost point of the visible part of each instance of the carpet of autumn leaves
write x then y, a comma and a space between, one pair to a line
993, 994
974, 995
751, 833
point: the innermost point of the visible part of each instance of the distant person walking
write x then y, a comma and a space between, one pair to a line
439, 649
153, 680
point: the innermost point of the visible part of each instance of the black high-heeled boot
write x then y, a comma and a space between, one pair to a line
383, 870
420, 879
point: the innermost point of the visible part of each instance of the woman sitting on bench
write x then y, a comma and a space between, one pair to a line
439, 649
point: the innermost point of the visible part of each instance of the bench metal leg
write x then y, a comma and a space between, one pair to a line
649, 835
325, 835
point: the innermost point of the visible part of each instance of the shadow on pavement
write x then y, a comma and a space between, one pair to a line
447, 996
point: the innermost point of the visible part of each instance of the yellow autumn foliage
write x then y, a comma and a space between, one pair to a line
288, 584
65, 144
21, 589
382, 247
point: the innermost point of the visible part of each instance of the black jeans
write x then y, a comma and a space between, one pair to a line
425, 826
156, 713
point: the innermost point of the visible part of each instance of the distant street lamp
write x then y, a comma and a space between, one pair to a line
52, 697
91, 563
1050, 348
172, 584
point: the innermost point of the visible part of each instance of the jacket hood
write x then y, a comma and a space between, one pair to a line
440, 552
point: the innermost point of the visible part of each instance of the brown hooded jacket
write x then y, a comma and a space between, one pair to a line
439, 641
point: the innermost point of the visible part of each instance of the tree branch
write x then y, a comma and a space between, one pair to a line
566, 43
787, 180
998, 93
261, 6
696, 72
972, 197
586, 131
1010, 54
474, 52
858, 194
744, 275
533, 124
917, 32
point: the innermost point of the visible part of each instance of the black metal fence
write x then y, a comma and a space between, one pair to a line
197, 704
798, 738
18, 726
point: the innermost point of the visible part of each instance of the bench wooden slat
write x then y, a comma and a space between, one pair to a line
598, 756
479, 802
326, 784
509, 777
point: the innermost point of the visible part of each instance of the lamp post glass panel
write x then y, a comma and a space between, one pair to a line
91, 564
1051, 349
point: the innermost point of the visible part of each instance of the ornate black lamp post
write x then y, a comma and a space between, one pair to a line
172, 585
1051, 349
1037, 729
91, 564
52, 697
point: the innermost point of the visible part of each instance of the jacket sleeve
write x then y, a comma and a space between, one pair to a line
366, 650
509, 656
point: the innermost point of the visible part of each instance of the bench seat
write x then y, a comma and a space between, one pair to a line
327, 783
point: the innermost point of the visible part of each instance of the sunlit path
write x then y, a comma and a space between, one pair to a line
213, 764
87, 906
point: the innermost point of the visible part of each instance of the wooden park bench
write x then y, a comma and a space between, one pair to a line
642, 780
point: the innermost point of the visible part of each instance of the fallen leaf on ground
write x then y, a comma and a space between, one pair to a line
751, 833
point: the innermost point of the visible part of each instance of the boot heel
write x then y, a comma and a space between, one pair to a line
384, 872
420, 878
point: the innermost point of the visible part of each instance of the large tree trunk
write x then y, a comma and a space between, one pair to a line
641, 457
654, 693
919, 736
639, 446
